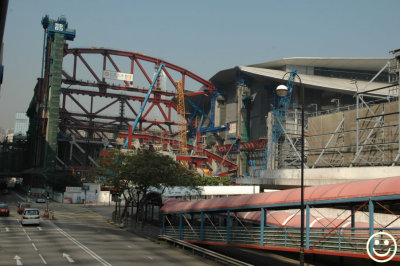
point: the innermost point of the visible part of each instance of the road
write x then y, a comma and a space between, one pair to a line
78, 236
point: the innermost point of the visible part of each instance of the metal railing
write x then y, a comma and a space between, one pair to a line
326, 239
202, 251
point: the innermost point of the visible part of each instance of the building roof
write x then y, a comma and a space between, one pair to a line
317, 82
364, 64
272, 70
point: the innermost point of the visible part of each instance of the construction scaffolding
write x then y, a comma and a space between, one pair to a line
364, 134
367, 135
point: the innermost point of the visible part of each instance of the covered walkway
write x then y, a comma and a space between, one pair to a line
272, 220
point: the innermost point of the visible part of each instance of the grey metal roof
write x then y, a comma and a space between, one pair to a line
318, 82
365, 64
270, 70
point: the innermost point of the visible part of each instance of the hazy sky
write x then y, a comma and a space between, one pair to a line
203, 36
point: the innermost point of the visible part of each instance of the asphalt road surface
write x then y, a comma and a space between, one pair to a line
78, 236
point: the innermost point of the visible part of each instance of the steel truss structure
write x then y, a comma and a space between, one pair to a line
373, 141
124, 95
101, 93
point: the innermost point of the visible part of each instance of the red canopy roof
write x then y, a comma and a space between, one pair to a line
356, 189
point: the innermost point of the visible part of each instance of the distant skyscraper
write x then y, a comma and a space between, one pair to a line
21, 124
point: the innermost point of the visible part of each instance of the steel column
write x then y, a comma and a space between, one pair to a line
180, 226
202, 227
163, 225
262, 225
371, 223
228, 226
307, 226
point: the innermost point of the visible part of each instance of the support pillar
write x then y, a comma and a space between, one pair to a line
262, 225
371, 224
202, 227
307, 227
228, 227
163, 224
180, 226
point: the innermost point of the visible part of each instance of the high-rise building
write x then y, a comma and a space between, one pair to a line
21, 124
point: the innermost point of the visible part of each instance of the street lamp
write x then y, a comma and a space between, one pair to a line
282, 90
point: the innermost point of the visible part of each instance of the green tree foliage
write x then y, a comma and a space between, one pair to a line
135, 172
215, 181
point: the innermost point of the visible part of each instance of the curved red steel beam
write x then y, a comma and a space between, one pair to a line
133, 55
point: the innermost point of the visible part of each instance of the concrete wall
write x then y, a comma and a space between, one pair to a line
321, 176
320, 129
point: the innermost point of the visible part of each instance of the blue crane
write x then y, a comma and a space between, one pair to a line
145, 102
279, 113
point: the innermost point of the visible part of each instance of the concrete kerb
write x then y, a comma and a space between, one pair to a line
138, 231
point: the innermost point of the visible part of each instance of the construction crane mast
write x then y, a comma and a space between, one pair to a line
182, 119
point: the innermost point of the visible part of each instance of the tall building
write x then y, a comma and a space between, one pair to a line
3, 14
21, 124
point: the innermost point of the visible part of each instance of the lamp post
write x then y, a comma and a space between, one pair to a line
282, 90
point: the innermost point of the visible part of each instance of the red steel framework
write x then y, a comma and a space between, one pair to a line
95, 117
125, 94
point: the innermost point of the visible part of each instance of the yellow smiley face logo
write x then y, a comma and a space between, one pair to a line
383, 245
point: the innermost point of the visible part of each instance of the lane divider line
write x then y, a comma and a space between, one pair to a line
24, 199
86, 249
33, 244
40, 255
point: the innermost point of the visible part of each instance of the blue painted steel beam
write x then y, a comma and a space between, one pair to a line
262, 225
145, 102
371, 224
202, 227
180, 226
307, 227
163, 224
228, 227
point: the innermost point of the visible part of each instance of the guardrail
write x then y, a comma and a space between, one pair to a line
202, 251
322, 239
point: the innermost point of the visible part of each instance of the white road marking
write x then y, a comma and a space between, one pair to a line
150, 258
28, 237
86, 249
39, 228
40, 255
70, 260
18, 260
7, 229
24, 199
34, 247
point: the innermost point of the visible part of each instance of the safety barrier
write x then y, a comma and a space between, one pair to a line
350, 240
203, 252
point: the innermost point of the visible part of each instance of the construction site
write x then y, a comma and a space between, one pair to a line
88, 100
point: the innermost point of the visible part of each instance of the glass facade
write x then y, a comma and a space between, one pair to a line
21, 124
350, 74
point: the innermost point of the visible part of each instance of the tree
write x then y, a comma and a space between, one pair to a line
135, 172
